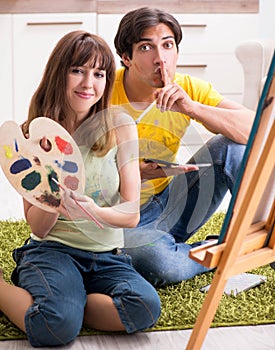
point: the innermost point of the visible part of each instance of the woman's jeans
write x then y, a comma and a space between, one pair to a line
59, 278
170, 218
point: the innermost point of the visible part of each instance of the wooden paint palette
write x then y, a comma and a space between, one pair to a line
30, 169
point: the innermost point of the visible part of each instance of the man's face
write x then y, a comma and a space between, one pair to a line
155, 52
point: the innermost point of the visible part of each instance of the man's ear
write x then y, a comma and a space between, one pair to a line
126, 60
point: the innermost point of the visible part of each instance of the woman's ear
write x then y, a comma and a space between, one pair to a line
126, 60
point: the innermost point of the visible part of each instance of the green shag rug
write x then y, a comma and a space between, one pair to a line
180, 302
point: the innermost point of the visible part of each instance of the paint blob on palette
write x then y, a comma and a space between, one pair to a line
30, 168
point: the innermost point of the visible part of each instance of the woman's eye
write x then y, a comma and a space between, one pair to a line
100, 74
77, 71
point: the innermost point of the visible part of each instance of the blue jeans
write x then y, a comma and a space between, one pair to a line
59, 278
170, 218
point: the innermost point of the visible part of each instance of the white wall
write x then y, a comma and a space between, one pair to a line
267, 18
11, 203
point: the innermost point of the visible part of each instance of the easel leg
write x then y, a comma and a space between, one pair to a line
207, 312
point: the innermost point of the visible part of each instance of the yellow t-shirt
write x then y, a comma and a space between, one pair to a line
160, 133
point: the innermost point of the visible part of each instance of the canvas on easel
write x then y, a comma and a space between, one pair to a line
247, 238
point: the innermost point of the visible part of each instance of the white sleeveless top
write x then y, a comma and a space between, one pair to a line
102, 185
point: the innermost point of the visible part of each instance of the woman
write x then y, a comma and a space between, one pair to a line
71, 270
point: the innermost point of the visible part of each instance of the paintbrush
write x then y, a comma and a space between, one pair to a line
79, 205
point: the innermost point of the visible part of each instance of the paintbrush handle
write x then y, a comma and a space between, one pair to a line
78, 204
88, 213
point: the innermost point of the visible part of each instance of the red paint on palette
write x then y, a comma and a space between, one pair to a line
64, 146
71, 182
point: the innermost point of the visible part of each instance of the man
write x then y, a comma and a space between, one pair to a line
176, 200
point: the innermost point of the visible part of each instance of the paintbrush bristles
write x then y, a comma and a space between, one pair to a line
58, 183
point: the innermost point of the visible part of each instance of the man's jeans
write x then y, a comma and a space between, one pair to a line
168, 219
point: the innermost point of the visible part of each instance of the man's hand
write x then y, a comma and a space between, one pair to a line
172, 96
152, 170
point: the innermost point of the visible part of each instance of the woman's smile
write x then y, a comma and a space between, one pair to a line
84, 95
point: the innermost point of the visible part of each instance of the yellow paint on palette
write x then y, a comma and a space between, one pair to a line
8, 150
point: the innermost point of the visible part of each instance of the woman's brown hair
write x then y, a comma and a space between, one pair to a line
50, 99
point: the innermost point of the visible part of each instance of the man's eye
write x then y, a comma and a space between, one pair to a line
145, 47
169, 45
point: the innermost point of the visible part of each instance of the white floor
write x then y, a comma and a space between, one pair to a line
224, 338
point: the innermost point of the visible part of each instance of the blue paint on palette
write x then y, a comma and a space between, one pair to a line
20, 165
68, 166
16, 145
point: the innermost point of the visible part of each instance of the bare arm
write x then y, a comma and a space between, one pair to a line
39, 220
228, 118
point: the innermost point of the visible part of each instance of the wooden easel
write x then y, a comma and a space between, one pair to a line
247, 240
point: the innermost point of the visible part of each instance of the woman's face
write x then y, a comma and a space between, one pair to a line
85, 87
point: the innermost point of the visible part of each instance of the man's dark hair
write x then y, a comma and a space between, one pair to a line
134, 23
